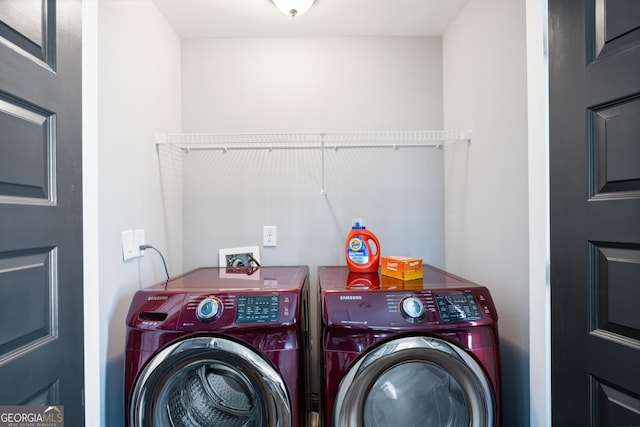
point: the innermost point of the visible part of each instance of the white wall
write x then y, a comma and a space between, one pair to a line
138, 95
485, 88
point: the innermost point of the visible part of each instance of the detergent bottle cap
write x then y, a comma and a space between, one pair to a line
358, 224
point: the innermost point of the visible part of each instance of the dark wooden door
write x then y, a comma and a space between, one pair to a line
41, 320
594, 59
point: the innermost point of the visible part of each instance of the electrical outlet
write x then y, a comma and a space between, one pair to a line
269, 235
138, 238
129, 248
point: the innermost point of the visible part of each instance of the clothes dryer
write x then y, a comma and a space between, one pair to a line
408, 353
219, 348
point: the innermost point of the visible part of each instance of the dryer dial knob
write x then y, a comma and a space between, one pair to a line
209, 309
412, 308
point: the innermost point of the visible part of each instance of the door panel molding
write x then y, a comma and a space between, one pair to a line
28, 27
34, 274
27, 153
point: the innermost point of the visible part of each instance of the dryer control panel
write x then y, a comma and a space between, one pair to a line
408, 309
457, 306
439, 300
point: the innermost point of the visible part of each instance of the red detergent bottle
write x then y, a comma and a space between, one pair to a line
362, 249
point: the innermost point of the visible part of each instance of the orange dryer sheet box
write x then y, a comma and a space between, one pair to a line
401, 267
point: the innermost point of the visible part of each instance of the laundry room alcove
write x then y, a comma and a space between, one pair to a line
224, 187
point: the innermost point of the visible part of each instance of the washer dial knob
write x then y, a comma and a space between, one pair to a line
209, 309
412, 308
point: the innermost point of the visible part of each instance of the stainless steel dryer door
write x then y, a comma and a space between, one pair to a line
415, 382
209, 381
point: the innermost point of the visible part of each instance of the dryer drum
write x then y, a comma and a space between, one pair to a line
440, 397
415, 381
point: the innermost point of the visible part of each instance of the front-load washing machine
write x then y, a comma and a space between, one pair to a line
222, 348
408, 353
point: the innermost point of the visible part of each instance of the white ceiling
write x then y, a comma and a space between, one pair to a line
260, 18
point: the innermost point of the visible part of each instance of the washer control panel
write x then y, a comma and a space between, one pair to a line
225, 310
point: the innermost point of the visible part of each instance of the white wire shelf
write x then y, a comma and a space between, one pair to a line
312, 140
188, 142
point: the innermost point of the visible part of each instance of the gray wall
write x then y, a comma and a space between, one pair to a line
307, 85
486, 186
138, 95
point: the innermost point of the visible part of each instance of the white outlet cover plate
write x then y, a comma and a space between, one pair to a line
269, 235
129, 248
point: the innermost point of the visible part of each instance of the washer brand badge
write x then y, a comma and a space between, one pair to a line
158, 298
31, 416
350, 297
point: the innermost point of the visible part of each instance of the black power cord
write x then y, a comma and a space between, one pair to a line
143, 247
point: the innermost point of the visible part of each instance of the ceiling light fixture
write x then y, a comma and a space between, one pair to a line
293, 7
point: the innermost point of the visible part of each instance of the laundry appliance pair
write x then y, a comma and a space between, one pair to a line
219, 347
232, 349
419, 353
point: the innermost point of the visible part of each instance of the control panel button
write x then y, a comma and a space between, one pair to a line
412, 308
209, 309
